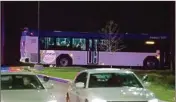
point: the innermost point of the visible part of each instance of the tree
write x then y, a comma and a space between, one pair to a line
114, 42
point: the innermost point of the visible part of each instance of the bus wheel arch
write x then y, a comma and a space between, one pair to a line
151, 62
64, 60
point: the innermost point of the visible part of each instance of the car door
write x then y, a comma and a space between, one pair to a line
75, 92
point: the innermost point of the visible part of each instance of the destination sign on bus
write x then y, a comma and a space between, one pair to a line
156, 37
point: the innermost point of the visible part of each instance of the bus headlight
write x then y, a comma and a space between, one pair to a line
158, 57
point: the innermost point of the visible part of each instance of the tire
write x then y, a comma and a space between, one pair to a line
151, 63
63, 61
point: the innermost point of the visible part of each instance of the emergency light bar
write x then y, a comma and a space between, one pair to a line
11, 69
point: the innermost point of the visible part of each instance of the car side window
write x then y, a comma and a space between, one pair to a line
81, 78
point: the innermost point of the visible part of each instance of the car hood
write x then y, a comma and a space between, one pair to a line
120, 94
26, 96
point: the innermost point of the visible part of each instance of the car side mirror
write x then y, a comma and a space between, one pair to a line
45, 79
80, 85
144, 78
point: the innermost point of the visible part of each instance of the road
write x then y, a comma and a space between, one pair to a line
59, 90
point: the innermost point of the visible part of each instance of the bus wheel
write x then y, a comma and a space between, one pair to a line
64, 62
151, 63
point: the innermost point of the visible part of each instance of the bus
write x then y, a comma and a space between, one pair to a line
64, 48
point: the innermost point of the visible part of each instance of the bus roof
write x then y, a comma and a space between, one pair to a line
91, 35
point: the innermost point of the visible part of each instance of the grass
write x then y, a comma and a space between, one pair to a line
162, 90
66, 73
163, 93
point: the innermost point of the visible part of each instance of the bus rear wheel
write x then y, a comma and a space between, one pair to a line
151, 63
64, 61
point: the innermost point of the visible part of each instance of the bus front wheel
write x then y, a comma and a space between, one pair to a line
151, 63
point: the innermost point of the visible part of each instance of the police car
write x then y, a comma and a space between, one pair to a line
108, 85
18, 85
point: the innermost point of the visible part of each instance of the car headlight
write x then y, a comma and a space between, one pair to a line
52, 101
98, 100
153, 100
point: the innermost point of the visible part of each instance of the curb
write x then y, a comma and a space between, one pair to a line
55, 78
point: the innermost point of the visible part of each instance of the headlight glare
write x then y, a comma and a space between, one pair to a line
98, 100
153, 100
52, 101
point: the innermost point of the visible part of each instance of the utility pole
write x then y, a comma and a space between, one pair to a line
38, 32
3, 35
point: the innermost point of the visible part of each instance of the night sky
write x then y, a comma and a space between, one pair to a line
132, 17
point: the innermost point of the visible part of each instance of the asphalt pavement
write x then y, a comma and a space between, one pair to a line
59, 90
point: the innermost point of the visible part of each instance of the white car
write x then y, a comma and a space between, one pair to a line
25, 87
108, 85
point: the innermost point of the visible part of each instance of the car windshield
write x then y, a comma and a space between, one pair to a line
99, 80
20, 82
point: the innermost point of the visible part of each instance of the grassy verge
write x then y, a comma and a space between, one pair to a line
66, 73
161, 81
162, 92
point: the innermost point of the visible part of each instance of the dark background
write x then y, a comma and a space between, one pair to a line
133, 17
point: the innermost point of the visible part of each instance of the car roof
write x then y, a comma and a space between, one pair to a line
106, 70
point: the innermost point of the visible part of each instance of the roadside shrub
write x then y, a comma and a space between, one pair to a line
165, 79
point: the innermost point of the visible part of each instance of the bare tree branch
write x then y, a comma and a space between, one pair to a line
114, 42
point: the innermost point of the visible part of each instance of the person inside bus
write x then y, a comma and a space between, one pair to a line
78, 46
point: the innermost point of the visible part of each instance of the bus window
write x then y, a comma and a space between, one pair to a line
63, 43
79, 44
102, 45
47, 42
90, 44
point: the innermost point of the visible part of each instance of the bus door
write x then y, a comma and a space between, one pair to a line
93, 54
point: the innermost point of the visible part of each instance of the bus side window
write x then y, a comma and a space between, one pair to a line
46, 43
102, 45
79, 44
62, 43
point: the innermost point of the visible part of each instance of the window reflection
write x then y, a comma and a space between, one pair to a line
79, 43
102, 45
65, 42
47, 42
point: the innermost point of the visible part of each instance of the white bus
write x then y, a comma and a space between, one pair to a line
76, 48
